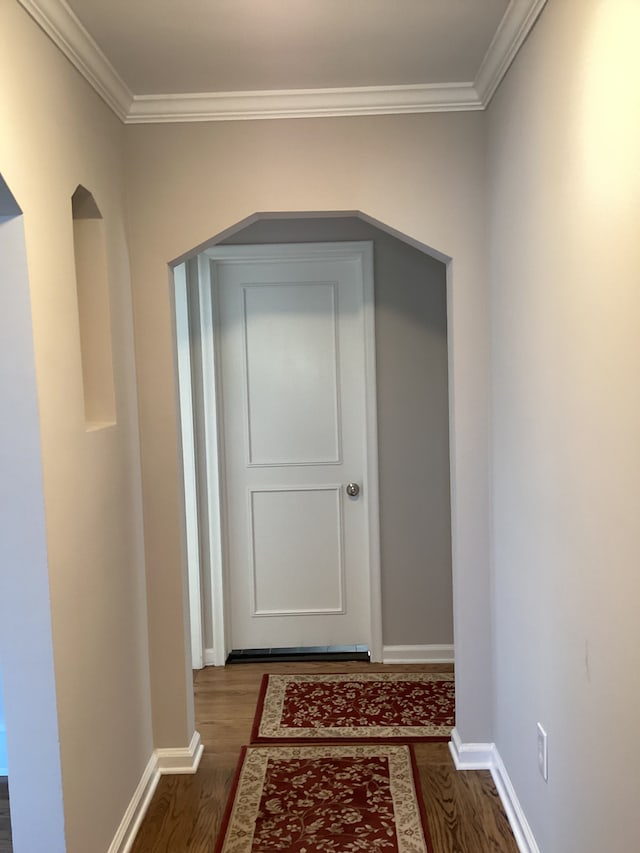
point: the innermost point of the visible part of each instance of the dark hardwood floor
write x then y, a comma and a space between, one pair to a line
463, 809
5, 819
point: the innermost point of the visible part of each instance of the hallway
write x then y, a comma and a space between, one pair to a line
463, 810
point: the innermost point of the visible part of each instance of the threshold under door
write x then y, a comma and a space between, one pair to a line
300, 653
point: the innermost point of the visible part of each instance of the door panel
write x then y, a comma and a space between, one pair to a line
290, 369
294, 421
301, 574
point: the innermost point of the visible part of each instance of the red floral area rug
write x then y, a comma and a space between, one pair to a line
325, 799
372, 706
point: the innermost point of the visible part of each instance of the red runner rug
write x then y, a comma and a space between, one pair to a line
325, 799
372, 706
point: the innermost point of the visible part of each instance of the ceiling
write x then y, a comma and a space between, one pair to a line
171, 46
179, 60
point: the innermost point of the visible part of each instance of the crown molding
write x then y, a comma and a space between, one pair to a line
65, 30
512, 31
303, 103
63, 27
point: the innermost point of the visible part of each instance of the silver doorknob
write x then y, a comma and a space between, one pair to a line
353, 490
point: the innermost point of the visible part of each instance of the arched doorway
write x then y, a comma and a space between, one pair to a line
411, 323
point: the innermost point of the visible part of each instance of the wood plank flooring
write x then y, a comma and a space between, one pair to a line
5, 818
463, 809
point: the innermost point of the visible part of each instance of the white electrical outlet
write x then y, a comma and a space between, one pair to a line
543, 755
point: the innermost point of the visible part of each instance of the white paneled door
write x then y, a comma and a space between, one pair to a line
297, 410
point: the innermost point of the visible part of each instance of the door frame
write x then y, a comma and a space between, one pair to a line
188, 450
215, 478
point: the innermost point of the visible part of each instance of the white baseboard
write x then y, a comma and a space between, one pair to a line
470, 756
519, 824
181, 760
162, 761
210, 658
417, 654
485, 756
137, 808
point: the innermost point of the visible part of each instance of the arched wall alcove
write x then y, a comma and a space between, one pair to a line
94, 312
26, 652
412, 428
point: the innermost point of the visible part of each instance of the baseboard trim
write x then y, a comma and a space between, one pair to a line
209, 657
417, 654
485, 756
137, 808
470, 756
519, 824
181, 760
162, 762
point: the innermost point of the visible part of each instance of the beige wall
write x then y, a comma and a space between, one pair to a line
54, 134
413, 423
423, 175
565, 207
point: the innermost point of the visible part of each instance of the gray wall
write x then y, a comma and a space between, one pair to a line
413, 424
564, 136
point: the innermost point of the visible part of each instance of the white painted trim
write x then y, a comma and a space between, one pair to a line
304, 103
519, 824
514, 28
65, 30
189, 473
212, 465
177, 761
470, 756
162, 762
211, 658
373, 482
485, 756
418, 654
137, 808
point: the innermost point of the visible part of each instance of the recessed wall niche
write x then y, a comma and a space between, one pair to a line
93, 311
